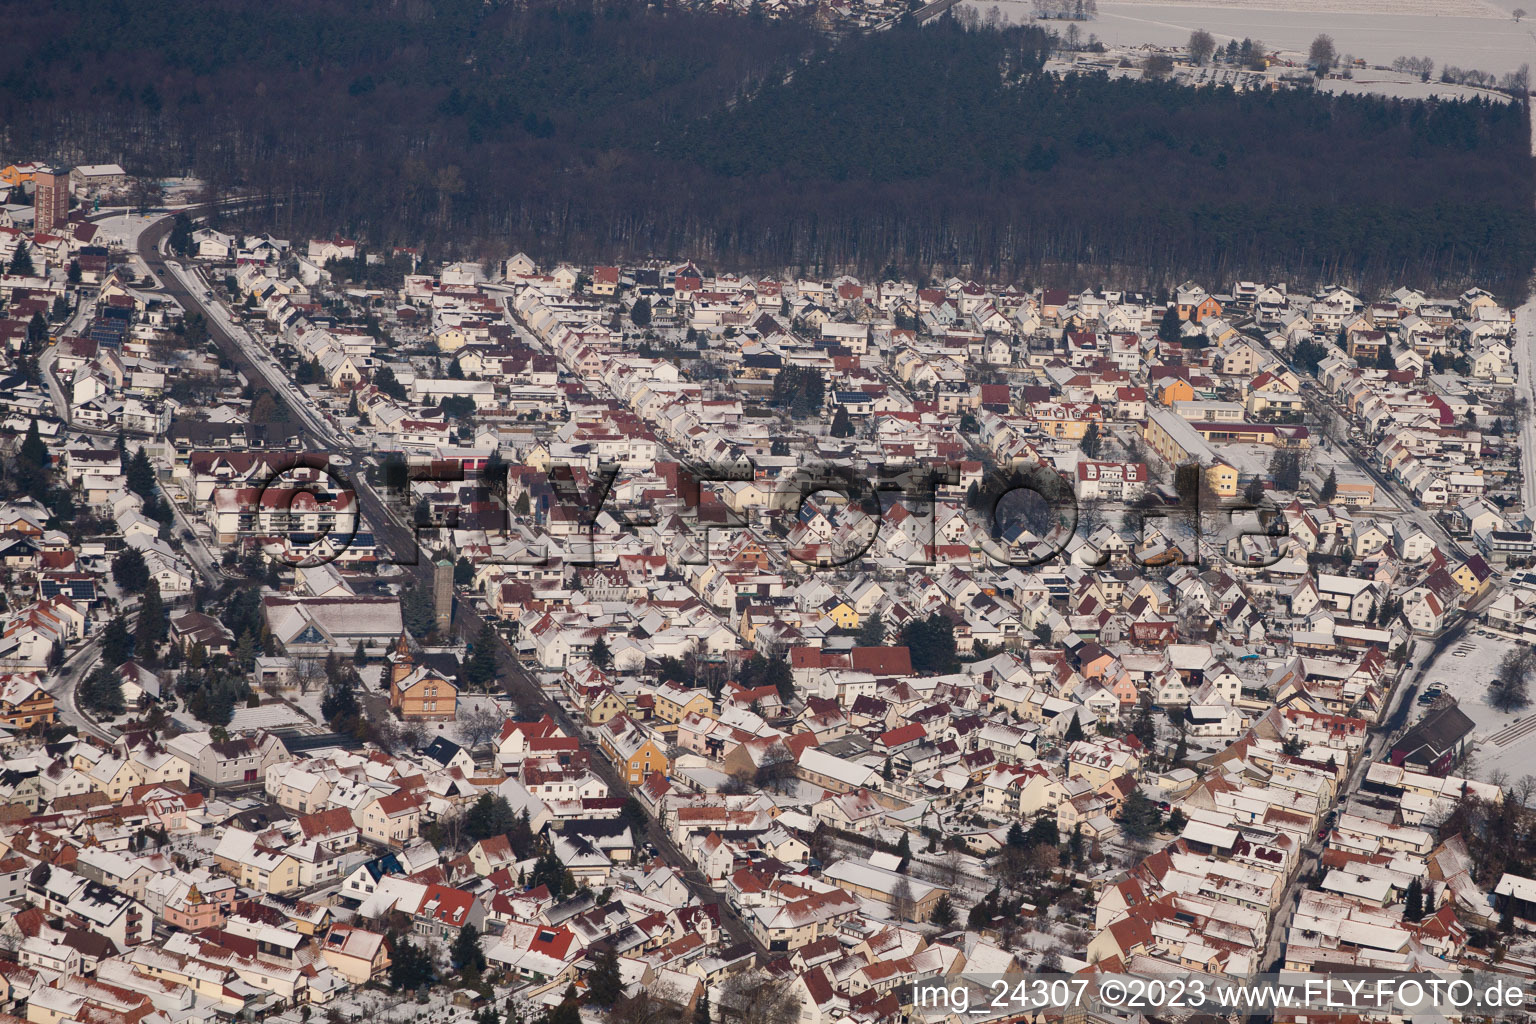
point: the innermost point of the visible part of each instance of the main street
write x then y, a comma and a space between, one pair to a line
1395, 712
401, 542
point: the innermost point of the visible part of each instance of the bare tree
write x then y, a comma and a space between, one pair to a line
1044, 859
950, 867
479, 725
1414, 65
1201, 45
776, 771
1012, 867
386, 733
1322, 56
311, 674
642, 1009
1090, 515
1522, 791
1518, 13
450, 832
146, 193
902, 903
1157, 67
752, 997
413, 735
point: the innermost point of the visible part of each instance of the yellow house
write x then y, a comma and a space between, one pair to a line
358, 955
750, 618
604, 706
748, 495
674, 703
1070, 425
1223, 480
605, 280
1221, 334
842, 613
114, 777
1473, 576
450, 339
268, 870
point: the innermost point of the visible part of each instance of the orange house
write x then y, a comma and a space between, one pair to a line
19, 174
634, 753
1123, 686
1206, 307
23, 701
638, 763
423, 696
1176, 390
416, 692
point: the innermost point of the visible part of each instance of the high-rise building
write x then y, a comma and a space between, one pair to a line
50, 200
442, 595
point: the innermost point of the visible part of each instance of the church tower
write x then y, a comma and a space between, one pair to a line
401, 661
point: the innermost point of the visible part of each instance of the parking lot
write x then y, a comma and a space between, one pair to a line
1505, 740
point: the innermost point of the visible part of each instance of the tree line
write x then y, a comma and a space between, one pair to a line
608, 130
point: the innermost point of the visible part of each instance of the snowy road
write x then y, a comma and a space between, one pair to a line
1525, 354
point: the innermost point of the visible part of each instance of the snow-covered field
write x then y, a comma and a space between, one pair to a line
1430, 8
1400, 86
1506, 741
1466, 33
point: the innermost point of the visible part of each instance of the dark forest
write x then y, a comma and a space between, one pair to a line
609, 130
